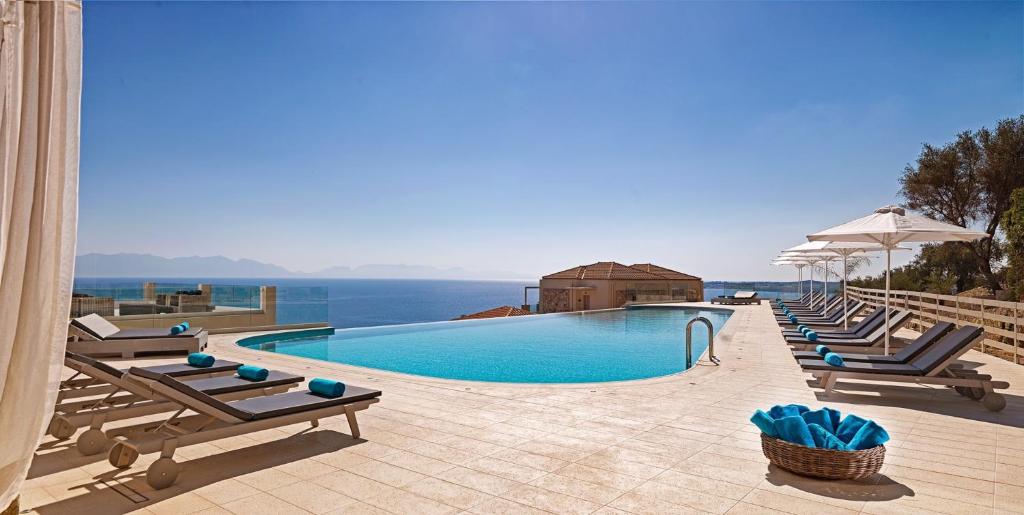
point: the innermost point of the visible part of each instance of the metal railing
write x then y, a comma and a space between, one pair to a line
689, 341
999, 319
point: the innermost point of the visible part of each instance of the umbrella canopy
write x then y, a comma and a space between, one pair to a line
890, 226
797, 263
840, 248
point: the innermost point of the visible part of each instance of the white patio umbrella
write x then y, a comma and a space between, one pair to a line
818, 257
801, 262
845, 249
799, 265
890, 226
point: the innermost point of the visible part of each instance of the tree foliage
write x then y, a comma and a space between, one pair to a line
968, 182
1013, 225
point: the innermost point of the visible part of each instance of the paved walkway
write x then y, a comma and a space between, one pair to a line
679, 444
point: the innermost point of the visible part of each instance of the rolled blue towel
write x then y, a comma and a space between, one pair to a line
805, 330
793, 319
822, 349
184, 326
823, 439
811, 335
765, 423
327, 387
801, 328
788, 410
201, 360
794, 430
869, 435
252, 373
848, 428
177, 329
820, 418
833, 359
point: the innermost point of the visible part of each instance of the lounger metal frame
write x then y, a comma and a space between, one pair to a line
209, 424
945, 374
83, 342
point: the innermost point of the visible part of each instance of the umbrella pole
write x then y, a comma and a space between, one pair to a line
824, 290
846, 308
888, 272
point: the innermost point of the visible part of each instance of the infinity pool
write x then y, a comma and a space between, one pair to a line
615, 345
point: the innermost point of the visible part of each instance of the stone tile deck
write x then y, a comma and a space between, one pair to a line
678, 444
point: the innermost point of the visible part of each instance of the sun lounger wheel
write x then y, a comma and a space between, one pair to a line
122, 456
994, 401
61, 429
162, 473
91, 442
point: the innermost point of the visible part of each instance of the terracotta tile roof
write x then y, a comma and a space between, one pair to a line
604, 270
498, 312
664, 272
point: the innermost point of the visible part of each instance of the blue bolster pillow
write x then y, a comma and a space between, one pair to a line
849, 426
327, 387
765, 423
794, 430
869, 435
833, 359
822, 349
253, 373
824, 439
789, 410
198, 359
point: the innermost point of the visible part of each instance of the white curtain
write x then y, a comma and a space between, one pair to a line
40, 92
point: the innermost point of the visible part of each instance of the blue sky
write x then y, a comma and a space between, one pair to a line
521, 137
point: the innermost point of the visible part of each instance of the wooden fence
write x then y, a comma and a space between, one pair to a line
1000, 319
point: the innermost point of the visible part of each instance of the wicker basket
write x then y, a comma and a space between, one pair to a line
825, 463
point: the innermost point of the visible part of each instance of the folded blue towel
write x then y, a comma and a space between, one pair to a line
177, 329
848, 428
869, 435
822, 349
821, 418
789, 410
252, 373
794, 430
833, 359
823, 439
834, 415
198, 359
765, 423
327, 387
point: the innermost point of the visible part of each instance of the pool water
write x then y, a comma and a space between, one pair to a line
615, 345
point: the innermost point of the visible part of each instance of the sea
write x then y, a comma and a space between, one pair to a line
362, 302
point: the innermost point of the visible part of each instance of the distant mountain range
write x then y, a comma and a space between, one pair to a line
148, 265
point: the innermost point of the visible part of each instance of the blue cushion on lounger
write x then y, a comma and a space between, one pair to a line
849, 426
789, 410
327, 387
833, 359
199, 359
869, 435
794, 430
822, 349
819, 417
765, 423
252, 373
823, 439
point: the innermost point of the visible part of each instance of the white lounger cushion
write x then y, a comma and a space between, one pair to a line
745, 294
98, 325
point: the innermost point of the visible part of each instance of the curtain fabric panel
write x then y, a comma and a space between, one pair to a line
40, 93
